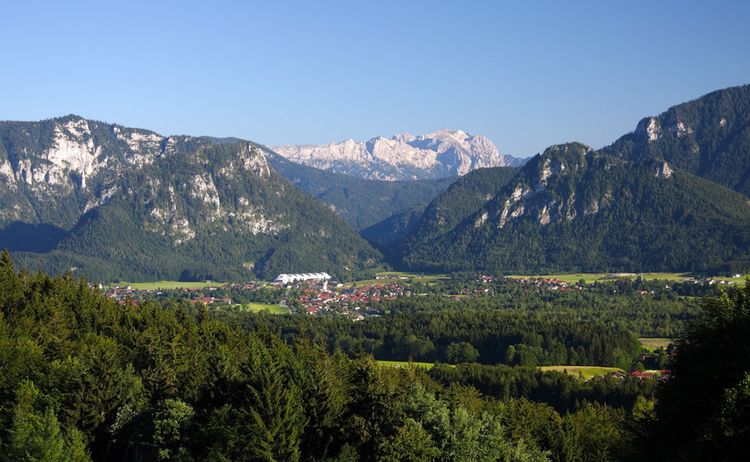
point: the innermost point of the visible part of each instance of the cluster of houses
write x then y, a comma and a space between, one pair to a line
650, 374
123, 295
312, 293
355, 301
637, 374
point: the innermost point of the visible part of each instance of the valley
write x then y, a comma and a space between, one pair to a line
543, 344
375, 231
537, 299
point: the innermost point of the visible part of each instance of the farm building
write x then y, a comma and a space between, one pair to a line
301, 277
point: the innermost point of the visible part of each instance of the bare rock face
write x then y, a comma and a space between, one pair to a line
55, 170
403, 157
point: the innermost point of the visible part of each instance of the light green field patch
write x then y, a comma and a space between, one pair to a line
412, 276
258, 307
676, 277
369, 282
571, 278
389, 277
166, 285
734, 280
427, 366
586, 372
652, 343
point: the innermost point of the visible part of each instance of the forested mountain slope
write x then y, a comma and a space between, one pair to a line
709, 136
465, 196
116, 203
360, 202
573, 209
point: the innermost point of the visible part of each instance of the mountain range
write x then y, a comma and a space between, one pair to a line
575, 209
445, 153
658, 198
113, 202
463, 197
360, 202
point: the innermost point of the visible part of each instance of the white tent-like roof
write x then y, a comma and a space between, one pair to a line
285, 278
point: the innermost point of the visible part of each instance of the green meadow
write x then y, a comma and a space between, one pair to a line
594, 277
413, 276
387, 277
167, 285
652, 343
269, 307
736, 280
586, 372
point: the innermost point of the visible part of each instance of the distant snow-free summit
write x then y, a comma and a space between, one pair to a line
441, 154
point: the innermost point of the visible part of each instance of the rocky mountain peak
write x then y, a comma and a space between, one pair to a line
439, 154
707, 137
573, 150
404, 137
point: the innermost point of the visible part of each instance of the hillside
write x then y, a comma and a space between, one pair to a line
131, 204
385, 234
462, 198
573, 208
709, 136
359, 202
444, 153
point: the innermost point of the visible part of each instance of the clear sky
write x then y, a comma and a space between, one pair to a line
525, 74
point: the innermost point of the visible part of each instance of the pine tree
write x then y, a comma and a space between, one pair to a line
271, 405
37, 435
11, 290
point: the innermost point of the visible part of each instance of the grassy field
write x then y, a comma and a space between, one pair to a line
166, 285
652, 343
395, 276
427, 366
413, 276
271, 308
586, 371
740, 280
593, 277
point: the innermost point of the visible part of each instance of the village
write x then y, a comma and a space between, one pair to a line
307, 293
318, 294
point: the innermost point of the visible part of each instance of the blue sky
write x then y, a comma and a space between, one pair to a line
525, 74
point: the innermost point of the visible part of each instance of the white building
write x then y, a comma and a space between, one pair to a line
285, 279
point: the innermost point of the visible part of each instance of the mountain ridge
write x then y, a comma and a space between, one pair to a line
576, 209
679, 178
360, 202
439, 154
133, 204
708, 136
